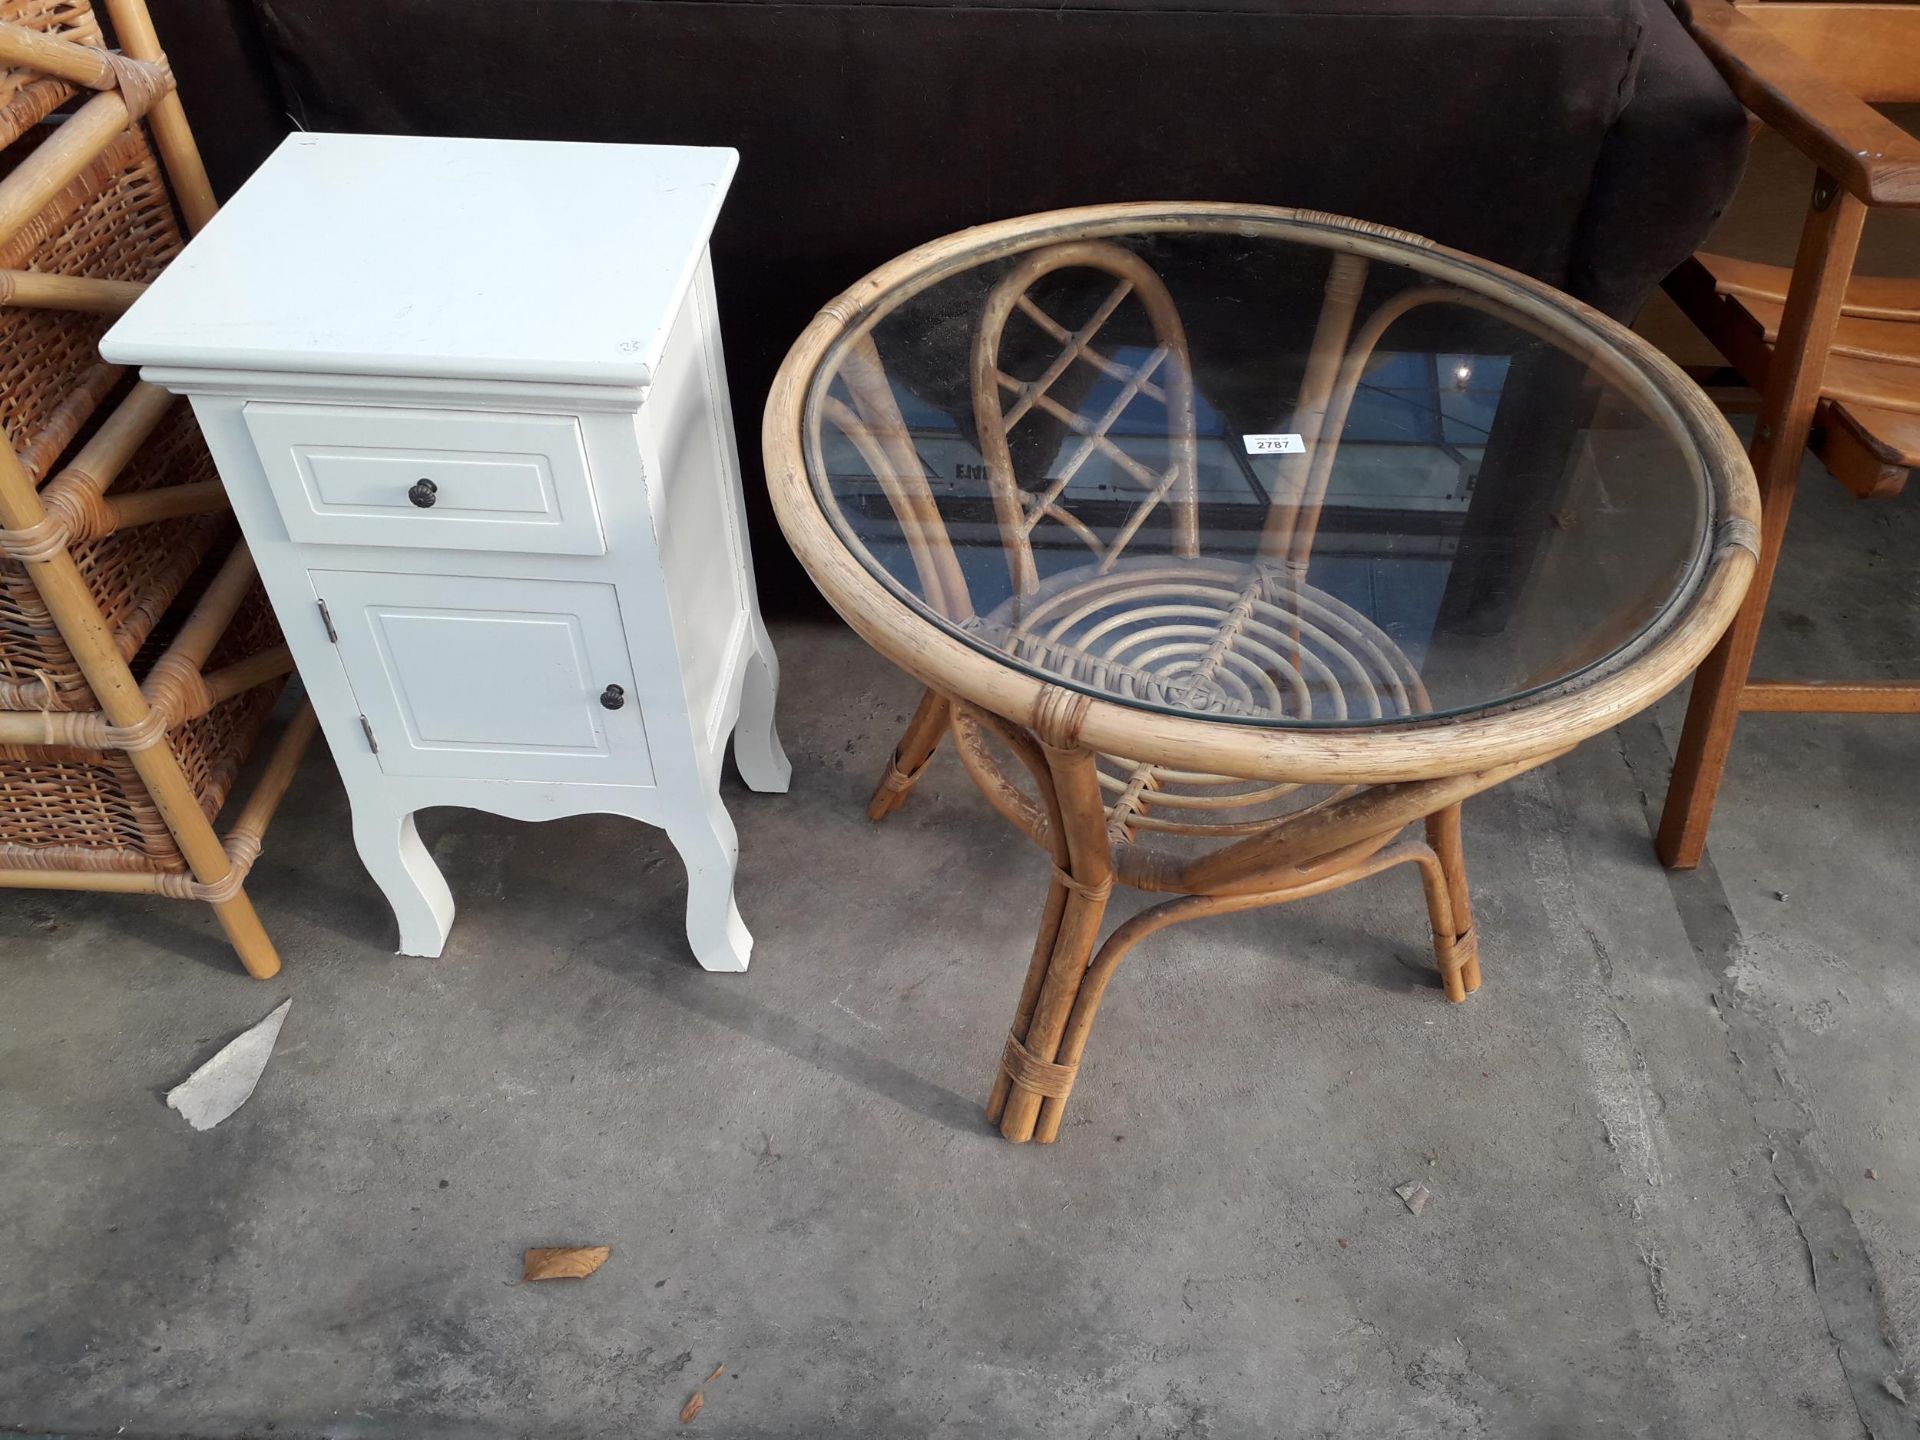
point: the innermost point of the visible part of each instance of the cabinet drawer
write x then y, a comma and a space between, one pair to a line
433, 479
481, 677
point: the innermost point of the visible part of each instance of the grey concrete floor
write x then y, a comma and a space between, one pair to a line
1649, 1137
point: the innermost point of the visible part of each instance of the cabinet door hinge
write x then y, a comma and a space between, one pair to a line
367, 726
326, 619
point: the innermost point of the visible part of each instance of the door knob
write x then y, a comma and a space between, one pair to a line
613, 697
423, 493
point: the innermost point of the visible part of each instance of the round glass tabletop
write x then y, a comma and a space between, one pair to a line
1264, 468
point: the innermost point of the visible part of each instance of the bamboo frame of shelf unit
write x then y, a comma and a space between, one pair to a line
86, 133
1410, 770
76, 505
172, 136
126, 707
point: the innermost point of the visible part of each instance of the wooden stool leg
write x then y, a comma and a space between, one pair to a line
1814, 297
911, 755
1443, 835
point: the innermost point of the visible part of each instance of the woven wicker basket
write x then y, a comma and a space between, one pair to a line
113, 223
134, 576
62, 805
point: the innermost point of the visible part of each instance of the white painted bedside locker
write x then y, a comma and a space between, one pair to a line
468, 398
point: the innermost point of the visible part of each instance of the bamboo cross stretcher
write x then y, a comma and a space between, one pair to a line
74, 705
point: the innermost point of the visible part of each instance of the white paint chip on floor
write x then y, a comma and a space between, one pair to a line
222, 1085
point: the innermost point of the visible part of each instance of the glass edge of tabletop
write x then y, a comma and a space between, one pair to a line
1606, 340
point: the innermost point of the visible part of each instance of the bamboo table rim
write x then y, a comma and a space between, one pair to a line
1417, 748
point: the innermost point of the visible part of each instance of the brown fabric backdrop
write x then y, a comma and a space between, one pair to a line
1583, 141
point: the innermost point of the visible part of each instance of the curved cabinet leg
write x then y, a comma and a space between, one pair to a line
709, 849
391, 849
756, 745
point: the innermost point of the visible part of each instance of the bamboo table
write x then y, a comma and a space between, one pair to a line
1229, 541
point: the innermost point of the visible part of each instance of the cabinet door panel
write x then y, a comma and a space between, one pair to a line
488, 678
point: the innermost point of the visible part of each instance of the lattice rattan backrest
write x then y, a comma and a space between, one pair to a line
1163, 377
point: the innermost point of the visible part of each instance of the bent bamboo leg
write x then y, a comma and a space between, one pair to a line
1051, 834
1446, 953
1037, 966
911, 755
1086, 885
1443, 835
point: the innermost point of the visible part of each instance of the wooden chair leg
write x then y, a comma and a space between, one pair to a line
1713, 708
911, 755
1814, 298
1460, 964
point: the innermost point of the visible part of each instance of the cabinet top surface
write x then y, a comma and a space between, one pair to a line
410, 255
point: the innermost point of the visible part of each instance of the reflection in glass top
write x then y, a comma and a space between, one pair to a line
1258, 477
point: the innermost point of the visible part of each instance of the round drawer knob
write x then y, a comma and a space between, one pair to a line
423, 493
613, 697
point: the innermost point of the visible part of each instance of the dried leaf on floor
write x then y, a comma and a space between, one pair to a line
564, 1262
692, 1408
718, 1371
222, 1085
